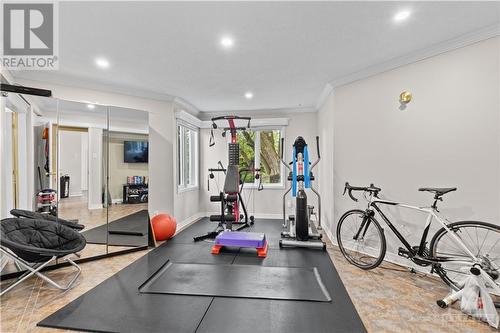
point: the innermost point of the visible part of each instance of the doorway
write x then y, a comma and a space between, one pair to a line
15, 156
72, 169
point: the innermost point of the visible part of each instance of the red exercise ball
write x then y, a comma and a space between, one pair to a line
164, 226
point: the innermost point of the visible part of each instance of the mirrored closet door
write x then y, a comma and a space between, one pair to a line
128, 181
82, 171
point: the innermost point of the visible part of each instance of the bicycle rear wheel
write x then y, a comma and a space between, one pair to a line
362, 244
481, 238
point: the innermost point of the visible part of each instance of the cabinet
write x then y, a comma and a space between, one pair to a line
135, 193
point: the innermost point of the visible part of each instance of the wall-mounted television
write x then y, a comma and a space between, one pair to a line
135, 151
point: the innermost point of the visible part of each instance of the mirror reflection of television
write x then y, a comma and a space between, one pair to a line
135, 151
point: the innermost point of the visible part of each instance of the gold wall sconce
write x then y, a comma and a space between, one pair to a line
404, 98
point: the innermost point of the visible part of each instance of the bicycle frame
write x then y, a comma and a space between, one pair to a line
432, 214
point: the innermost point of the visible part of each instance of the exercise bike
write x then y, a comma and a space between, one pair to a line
301, 229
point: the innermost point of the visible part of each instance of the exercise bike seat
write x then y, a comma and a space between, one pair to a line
232, 181
439, 191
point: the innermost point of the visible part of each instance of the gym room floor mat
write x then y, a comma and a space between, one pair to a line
136, 222
244, 281
116, 305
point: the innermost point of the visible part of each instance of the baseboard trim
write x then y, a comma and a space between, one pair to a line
95, 206
184, 224
257, 216
269, 216
389, 256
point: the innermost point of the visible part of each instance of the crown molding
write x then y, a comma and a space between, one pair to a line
75, 82
6, 76
477, 36
188, 118
327, 90
184, 105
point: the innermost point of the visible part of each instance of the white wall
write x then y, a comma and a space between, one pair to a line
95, 168
326, 170
118, 169
448, 136
187, 204
266, 203
23, 131
7, 197
70, 159
85, 160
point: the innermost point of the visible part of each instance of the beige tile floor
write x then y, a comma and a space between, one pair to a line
388, 299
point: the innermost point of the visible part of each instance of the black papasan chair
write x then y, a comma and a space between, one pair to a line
34, 243
49, 217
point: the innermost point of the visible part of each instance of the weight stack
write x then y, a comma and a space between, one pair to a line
234, 153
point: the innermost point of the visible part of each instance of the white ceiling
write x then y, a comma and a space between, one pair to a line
285, 53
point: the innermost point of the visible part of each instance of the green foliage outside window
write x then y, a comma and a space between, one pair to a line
268, 155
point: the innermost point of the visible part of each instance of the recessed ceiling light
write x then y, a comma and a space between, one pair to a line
226, 42
102, 63
249, 95
91, 106
402, 15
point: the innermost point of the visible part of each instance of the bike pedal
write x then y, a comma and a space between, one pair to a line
403, 253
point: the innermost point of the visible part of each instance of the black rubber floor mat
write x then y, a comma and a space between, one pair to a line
116, 305
136, 223
243, 281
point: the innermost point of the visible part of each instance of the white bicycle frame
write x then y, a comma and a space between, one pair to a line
432, 213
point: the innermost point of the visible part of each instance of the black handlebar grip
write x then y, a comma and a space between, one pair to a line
348, 188
282, 146
352, 197
317, 145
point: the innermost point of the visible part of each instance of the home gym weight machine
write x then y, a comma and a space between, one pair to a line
230, 198
301, 230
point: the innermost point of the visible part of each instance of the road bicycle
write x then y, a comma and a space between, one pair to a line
453, 250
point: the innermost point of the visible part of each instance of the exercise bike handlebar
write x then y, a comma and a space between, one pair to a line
281, 154
287, 166
319, 156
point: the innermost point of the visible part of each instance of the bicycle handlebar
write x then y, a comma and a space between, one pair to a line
372, 189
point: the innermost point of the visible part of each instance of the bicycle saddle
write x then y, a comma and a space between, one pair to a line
439, 191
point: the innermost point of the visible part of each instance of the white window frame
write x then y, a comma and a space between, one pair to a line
255, 184
195, 161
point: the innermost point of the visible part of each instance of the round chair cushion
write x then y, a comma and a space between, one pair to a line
38, 240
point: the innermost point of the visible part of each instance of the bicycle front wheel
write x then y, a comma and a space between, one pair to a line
481, 238
361, 239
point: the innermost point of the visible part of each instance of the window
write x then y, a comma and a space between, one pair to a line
187, 157
260, 148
